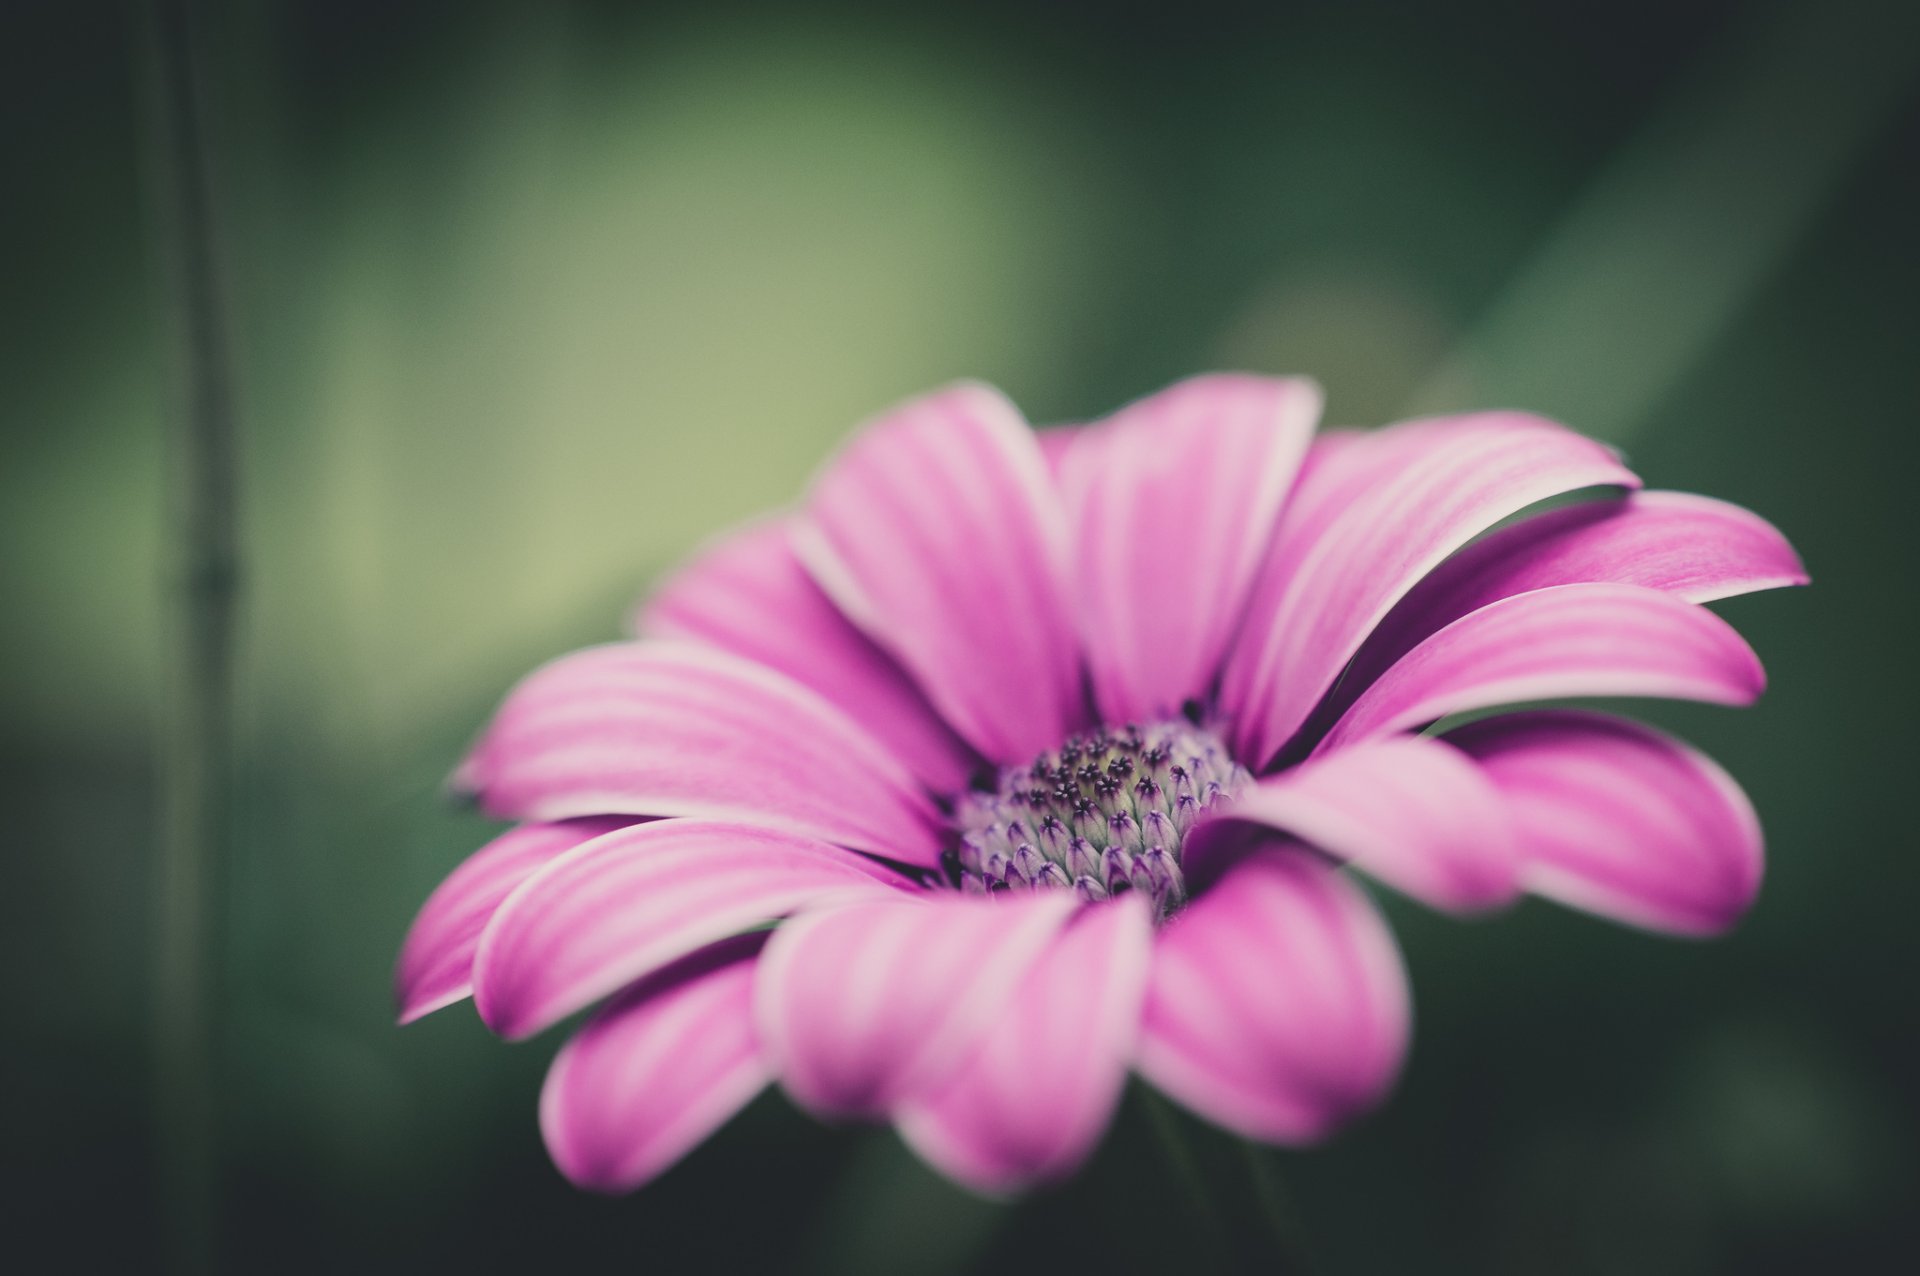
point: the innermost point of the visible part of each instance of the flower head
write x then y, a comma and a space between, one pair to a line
1011, 763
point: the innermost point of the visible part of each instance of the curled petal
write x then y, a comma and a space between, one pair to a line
1570, 640
1411, 811
1372, 514
655, 1071
1620, 820
1040, 1088
863, 1006
1172, 503
654, 728
436, 961
1692, 547
609, 912
1276, 1005
748, 594
936, 531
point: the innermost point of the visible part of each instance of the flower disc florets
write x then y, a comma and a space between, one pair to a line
1105, 813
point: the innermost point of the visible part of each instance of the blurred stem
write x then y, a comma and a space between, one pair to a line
1226, 1197
1660, 255
1165, 1124
197, 758
1276, 1205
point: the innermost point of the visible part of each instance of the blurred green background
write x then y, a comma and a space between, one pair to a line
529, 300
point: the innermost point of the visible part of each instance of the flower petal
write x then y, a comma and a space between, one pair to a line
1408, 810
1618, 819
937, 532
1172, 503
1365, 523
865, 1005
1055, 441
1039, 1091
677, 729
436, 961
1692, 547
1569, 640
748, 594
1277, 1005
610, 911
656, 1070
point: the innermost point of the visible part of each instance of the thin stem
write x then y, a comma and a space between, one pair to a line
1232, 1190
1165, 1124
1626, 294
1276, 1207
197, 757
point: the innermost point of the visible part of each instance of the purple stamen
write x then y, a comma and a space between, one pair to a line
1105, 814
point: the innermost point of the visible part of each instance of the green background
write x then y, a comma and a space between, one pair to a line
528, 301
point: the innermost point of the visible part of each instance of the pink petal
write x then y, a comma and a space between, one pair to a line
1037, 1095
659, 728
655, 1071
1689, 546
863, 1006
1172, 503
1410, 811
1365, 523
436, 962
748, 594
1623, 821
1277, 1005
1570, 640
1055, 441
937, 532
612, 910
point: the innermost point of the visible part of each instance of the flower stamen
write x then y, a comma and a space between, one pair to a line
1105, 814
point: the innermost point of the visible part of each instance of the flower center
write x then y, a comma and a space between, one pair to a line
1104, 814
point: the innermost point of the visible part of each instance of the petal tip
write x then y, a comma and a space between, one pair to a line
410, 1005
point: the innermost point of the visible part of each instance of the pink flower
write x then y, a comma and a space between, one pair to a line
1010, 763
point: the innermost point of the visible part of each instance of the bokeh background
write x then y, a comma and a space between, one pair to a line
526, 301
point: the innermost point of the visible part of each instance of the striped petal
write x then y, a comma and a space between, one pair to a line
1039, 1091
748, 594
1366, 522
1620, 820
1055, 441
656, 1071
863, 1006
1172, 503
1570, 640
1411, 811
626, 904
936, 531
678, 729
1277, 1005
436, 961
1692, 547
